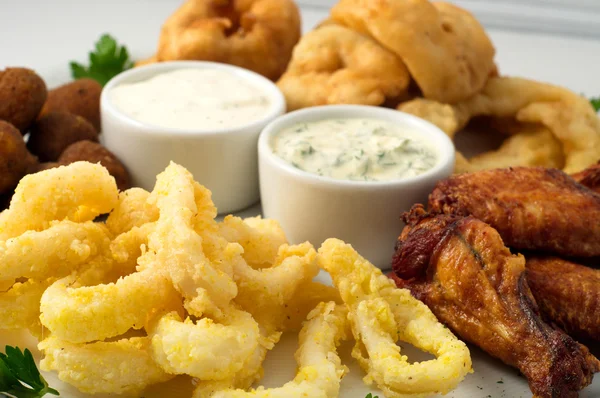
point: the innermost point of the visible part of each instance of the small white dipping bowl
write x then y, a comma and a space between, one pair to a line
365, 214
223, 160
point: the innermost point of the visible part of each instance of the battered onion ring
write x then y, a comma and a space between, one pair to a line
320, 369
207, 350
133, 210
54, 252
568, 116
113, 308
446, 50
255, 34
78, 192
175, 247
336, 65
121, 367
379, 315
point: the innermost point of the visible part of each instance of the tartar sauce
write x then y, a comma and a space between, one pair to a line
355, 149
192, 99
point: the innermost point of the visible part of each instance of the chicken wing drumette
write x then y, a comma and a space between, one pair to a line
461, 269
567, 293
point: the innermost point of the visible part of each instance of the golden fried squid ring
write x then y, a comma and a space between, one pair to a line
308, 295
53, 252
446, 50
79, 192
379, 315
336, 65
255, 34
320, 369
121, 367
264, 292
176, 248
133, 210
568, 116
112, 308
205, 349
260, 238
20, 306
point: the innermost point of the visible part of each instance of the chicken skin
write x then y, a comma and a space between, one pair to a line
531, 207
567, 293
589, 177
461, 269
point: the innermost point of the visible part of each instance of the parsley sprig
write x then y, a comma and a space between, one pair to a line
595, 103
106, 61
369, 395
20, 377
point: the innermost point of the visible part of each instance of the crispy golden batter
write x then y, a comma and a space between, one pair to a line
569, 116
531, 207
255, 34
589, 177
336, 65
567, 293
461, 269
446, 50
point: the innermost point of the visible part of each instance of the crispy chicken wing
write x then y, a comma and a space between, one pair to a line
567, 293
531, 207
589, 177
461, 269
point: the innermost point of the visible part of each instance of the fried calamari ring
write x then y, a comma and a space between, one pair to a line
121, 367
78, 192
336, 65
379, 315
255, 34
114, 308
53, 252
133, 210
446, 50
266, 291
176, 248
205, 349
320, 368
260, 238
20, 305
568, 116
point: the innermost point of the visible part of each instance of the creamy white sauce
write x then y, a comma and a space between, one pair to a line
355, 149
193, 99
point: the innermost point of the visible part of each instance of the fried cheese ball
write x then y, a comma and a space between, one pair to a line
80, 97
254, 34
52, 133
15, 159
94, 152
22, 95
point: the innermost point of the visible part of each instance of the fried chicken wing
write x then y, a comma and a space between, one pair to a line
589, 177
461, 269
531, 207
567, 293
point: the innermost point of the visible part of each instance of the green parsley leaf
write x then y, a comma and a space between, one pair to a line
108, 60
20, 377
369, 395
595, 103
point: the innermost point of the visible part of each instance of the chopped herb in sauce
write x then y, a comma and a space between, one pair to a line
355, 149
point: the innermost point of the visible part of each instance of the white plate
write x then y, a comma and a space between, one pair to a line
47, 35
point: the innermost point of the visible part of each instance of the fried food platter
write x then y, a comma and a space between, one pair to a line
491, 378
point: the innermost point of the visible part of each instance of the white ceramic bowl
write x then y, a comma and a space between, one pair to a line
364, 214
223, 160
